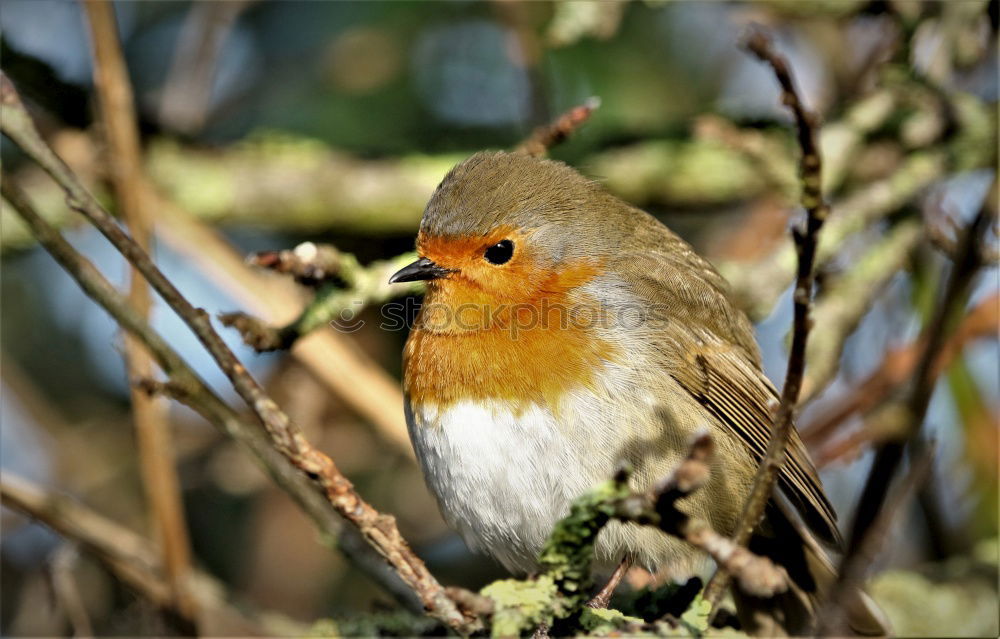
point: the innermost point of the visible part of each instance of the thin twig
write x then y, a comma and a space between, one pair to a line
332, 305
184, 384
379, 530
545, 137
810, 173
156, 455
756, 575
889, 454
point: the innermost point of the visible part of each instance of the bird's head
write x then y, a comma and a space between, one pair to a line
507, 228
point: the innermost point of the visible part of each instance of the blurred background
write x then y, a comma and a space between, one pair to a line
268, 124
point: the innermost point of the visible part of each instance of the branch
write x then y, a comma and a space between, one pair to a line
756, 575
806, 240
379, 530
153, 435
545, 137
332, 305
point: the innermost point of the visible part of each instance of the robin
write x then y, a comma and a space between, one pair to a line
563, 331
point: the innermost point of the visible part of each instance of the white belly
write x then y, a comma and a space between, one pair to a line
502, 479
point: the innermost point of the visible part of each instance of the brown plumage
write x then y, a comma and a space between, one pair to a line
509, 428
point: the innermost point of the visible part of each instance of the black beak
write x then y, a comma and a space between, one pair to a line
422, 269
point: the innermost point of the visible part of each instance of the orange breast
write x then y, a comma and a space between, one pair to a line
531, 343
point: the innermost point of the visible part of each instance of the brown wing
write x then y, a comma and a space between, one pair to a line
714, 356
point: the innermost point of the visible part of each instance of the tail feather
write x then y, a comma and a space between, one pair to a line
812, 576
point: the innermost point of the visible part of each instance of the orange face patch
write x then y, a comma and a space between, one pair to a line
520, 331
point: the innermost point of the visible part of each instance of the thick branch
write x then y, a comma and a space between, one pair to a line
379, 530
806, 240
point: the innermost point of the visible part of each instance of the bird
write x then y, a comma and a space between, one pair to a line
564, 331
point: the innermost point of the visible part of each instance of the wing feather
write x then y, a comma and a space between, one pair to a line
709, 348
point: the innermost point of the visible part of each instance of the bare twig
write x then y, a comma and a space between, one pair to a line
152, 431
332, 305
806, 240
545, 137
379, 530
889, 454
184, 384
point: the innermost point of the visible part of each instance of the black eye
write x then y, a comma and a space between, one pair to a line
500, 253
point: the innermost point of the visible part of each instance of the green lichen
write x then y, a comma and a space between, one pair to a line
695, 618
562, 589
567, 555
520, 606
601, 621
